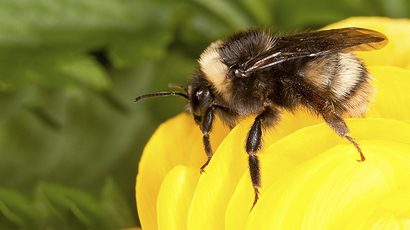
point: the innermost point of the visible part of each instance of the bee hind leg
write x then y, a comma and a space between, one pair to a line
325, 108
351, 140
339, 126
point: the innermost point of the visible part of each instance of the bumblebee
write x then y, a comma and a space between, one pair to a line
257, 73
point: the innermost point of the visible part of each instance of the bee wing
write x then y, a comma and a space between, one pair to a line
315, 44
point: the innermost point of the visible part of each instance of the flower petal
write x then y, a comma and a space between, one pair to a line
393, 212
328, 189
396, 52
166, 149
216, 185
175, 196
392, 85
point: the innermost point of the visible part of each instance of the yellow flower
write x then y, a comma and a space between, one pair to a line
310, 178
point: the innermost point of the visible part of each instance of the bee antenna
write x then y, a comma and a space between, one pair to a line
161, 94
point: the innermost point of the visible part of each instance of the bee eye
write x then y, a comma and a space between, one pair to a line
196, 107
201, 100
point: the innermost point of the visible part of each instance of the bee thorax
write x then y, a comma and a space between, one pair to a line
214, 70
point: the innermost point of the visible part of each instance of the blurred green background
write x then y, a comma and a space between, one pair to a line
70, 135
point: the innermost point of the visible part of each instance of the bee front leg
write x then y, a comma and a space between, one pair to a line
325, 108
206, 127
254, 144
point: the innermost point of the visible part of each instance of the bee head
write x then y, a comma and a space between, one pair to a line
200, 97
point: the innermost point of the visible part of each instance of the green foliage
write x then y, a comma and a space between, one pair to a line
58, 207
69, 70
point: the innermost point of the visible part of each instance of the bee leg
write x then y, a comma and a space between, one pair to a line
254, 144
325, 108
206, 127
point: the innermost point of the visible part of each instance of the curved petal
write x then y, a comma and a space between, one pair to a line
314, 167
216, 185
175, 196
167, 148
392, 94
281, 159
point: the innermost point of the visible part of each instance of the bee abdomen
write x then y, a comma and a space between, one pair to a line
344, 80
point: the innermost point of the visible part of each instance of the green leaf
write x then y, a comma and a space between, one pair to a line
397, 8
87, 71
259, 10
130, 51
229, 11
17, 208
83, 205
41, 113
116, 205
40, 45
